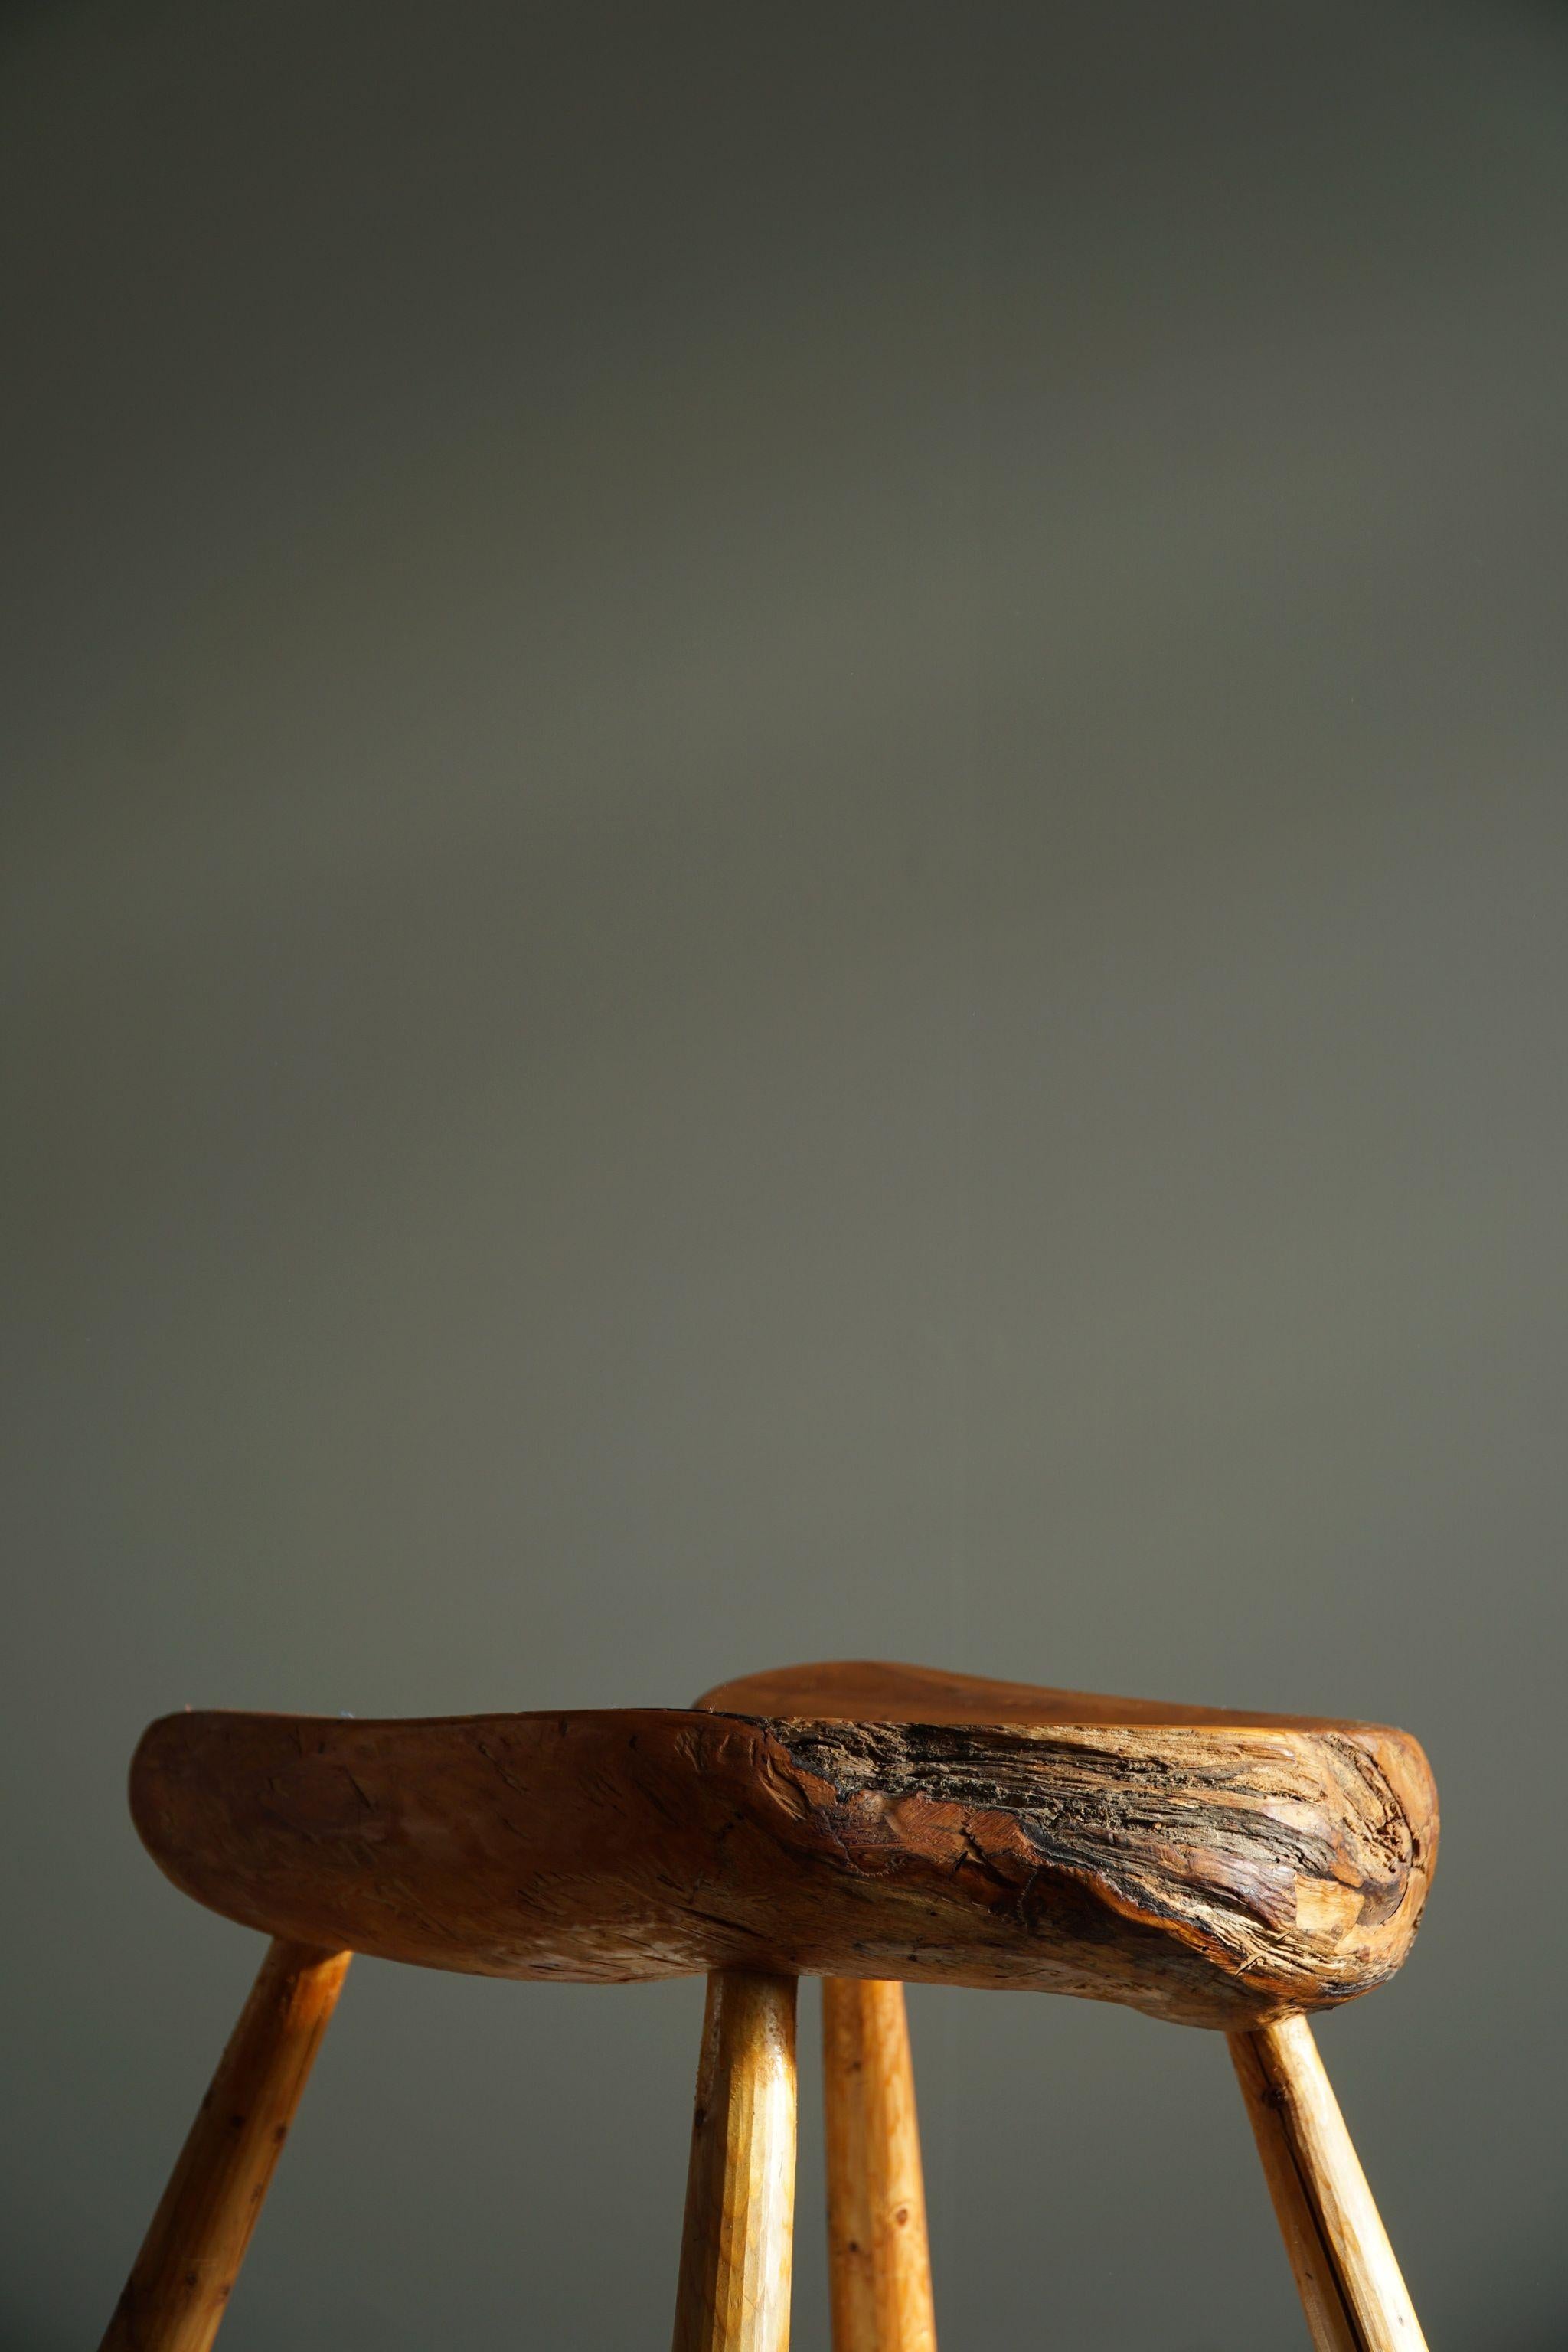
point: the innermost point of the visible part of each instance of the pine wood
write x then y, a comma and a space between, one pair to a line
178, 2291
878, 2258
737, 2243
1217, 1870
1351, 2291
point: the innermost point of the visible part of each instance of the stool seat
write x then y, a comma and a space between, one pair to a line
862, 1822
846, 1820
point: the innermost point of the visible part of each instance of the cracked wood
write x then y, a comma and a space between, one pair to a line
1220, 1872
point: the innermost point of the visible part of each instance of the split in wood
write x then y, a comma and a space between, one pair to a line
868, 1823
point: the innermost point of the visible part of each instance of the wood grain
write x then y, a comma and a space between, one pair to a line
737, 2246
869, 1690
1328, 2322
1351, 2291
878, 2257
179, 2289
1215, 1874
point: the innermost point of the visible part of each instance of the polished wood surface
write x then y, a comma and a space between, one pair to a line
878, 2257
1214, 1874
737, 2246
178, 2291
870, 1823
870, 1690
1351, 2291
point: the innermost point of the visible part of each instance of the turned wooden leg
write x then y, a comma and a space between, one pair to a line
739, 2242
191, 2256
878, 2258
1353, 2296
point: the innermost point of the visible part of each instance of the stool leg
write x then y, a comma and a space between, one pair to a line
191, 2256
878, 2258
737, 2250
1350, 2289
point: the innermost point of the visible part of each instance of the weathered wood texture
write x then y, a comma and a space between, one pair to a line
179, 2289
737, 2247
878, 2258
1350, 2287
1220, 1874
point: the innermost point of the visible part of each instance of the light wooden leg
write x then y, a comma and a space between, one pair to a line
191, 2256
1350, 2289
878, 2257
738, 2240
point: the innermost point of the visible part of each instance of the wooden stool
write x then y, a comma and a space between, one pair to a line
868, 1825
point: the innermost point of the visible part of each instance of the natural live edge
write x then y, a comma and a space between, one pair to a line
1217, 1873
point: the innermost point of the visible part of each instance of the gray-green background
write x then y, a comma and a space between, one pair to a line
784, 857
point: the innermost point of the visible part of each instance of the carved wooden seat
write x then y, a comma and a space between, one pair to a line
868, 1825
